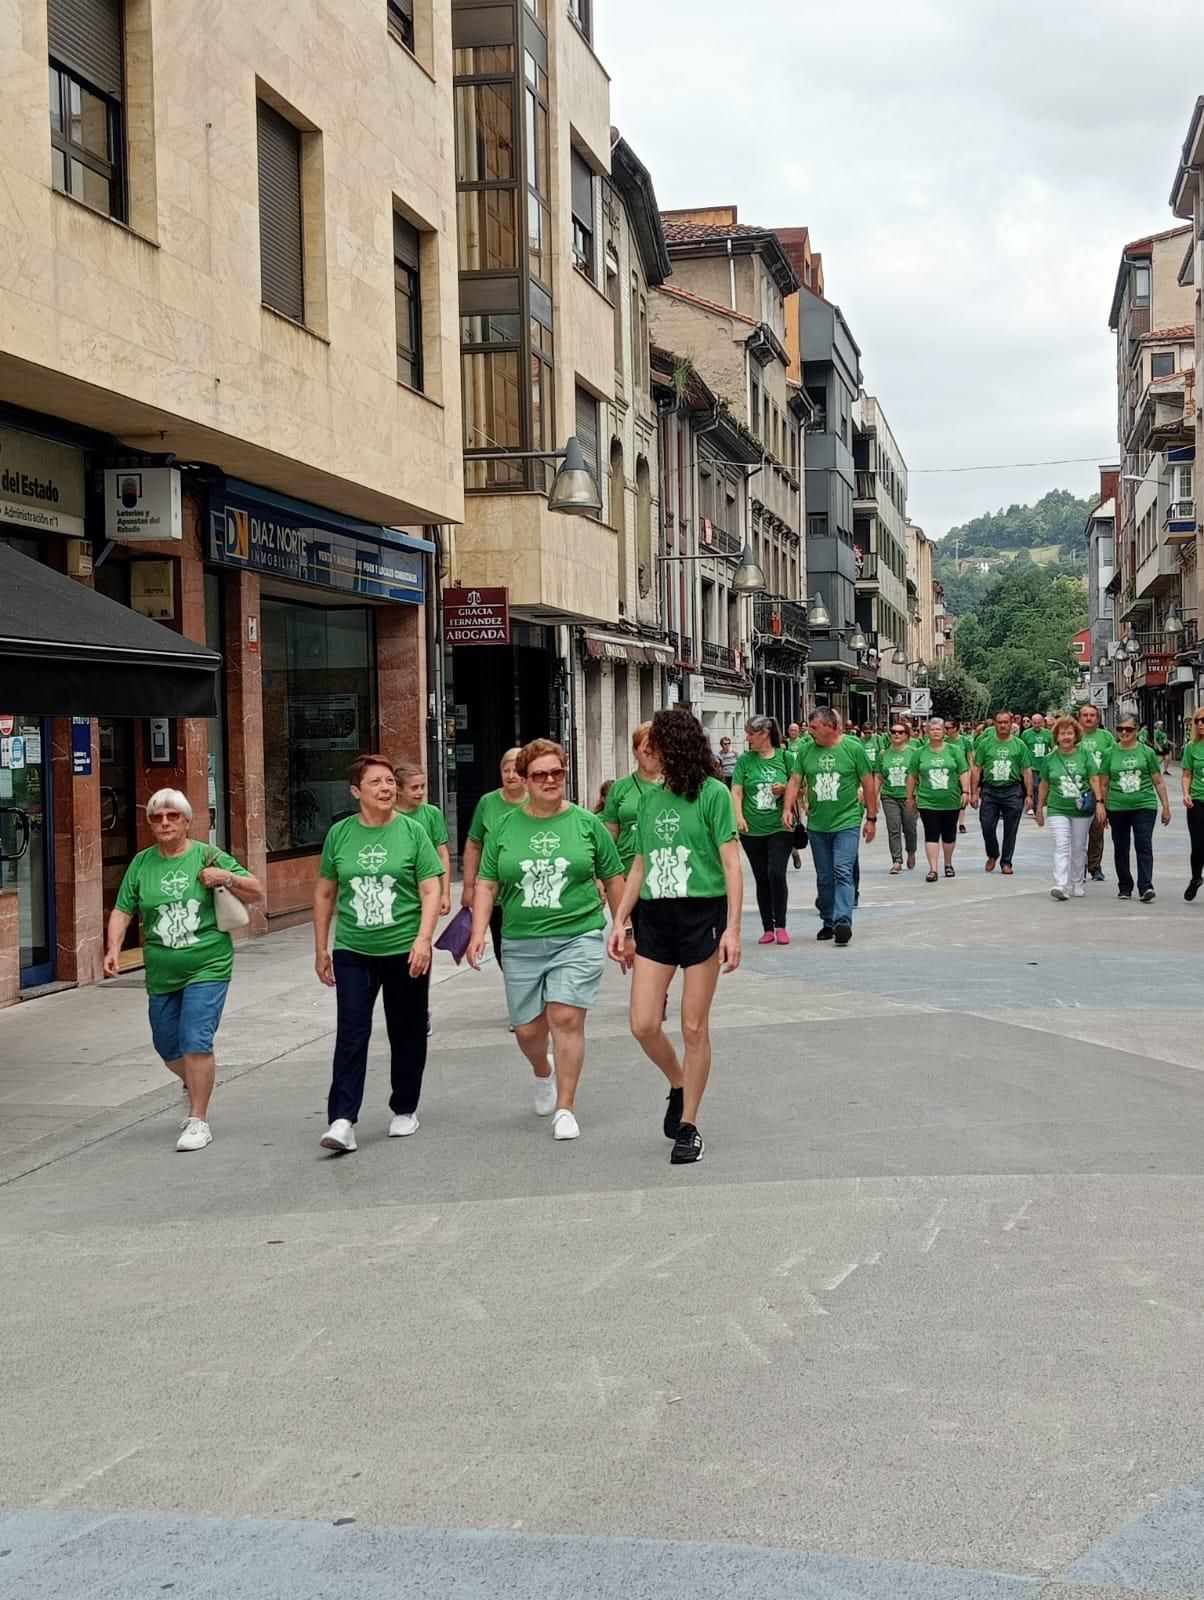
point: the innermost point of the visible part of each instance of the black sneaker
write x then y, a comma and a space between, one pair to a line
1123, 894
1193, 889
825, 933
843, 932
1146, 896
1097, 875
673, 1114
687, 1147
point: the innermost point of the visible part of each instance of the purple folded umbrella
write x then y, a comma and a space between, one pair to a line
457, 936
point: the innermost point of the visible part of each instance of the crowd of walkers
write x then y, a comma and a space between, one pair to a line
661, 854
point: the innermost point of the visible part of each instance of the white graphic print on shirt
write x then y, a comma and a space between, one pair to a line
1068, 787
1001, 771
763, 797
372, 901
938, 778
1130, 782
827, 786
177, 925
896, 777
543, 882
668, 870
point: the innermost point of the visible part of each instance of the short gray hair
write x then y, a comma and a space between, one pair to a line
825, 716
168, 800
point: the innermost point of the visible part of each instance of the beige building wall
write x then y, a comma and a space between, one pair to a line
155, 331
922, 643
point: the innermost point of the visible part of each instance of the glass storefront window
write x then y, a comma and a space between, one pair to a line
319, 713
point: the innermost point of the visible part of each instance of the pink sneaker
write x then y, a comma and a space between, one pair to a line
766, 938
781, 936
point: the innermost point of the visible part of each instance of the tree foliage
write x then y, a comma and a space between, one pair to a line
1058, 518
1018, 640
959, 695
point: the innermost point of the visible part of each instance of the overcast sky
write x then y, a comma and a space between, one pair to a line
969, 169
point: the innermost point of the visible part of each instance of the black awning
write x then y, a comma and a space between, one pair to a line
67, 651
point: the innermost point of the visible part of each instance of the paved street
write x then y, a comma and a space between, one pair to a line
925, 1322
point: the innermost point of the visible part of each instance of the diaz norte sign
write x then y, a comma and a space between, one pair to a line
476, 616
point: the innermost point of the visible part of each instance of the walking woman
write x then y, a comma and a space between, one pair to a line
1066, 794
380, 871
938, 786
758, 790
543, 864
412, 803
490, 810
189, 960
895, 765
1131, 786
686, 878
1193, 800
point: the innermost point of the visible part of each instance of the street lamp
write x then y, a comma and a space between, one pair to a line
747, 579
899, 657
1132, 644
574, 490
857, 640
1174, 621
817, 614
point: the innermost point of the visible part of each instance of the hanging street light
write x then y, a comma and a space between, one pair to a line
858, 640
899, 657
574, 488
748, 577
1174, 621
817, 614
1132, 644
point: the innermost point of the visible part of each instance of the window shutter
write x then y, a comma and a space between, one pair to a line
587, 427
405, 242
85, 37
401, 16
583, 190
280, 248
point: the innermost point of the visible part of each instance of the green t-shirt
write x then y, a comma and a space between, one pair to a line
1193, 763
939, 787
378, 871
181, 941
679, 840
546, 869
894, 768
1096, 745
491, 808
1039, 742
431, 820
871, 747
1130, 775
622, 807
832, 775
1160, 740
1002, 760
756, 775
1068, 777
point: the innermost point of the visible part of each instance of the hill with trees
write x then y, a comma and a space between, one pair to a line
1018, 639
1050, 534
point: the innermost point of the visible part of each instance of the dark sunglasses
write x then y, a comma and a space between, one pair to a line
1126, 727
1198, 719
898, 730
552, 775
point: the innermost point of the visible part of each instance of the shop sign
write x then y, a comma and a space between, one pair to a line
143, 504
1157, 665
12, 752
41, 483
81, 747
476, 616
273, 539
6, 726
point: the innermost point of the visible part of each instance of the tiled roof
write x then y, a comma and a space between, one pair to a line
686, 232
1155, 238
675, 293
1186, 331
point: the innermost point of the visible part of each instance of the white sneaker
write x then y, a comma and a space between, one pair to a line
545, 1096
403, 1124
1078, 890
196, 1135
1058, 894
339, 1136
564, 1126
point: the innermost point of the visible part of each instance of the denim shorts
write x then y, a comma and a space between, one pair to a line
566, 972
184, 1022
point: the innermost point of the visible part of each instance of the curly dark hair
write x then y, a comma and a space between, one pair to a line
677, 740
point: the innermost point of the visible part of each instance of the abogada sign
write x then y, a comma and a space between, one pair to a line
476, 616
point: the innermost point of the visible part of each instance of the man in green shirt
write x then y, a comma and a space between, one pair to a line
1001, 788
1095, 743
831, 776
1039, 741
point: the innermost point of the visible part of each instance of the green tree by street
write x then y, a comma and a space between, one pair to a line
1017, 642
959, 695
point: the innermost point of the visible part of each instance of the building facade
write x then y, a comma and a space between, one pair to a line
1100, 536
921, 597
880, 552
726, 306
227, 292
1187, 201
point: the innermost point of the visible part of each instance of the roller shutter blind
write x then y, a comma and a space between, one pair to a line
85, 37
587, 427
282, 275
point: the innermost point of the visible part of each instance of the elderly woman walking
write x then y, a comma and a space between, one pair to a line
171, 887
1067, 798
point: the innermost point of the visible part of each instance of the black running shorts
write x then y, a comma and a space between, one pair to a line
680, 933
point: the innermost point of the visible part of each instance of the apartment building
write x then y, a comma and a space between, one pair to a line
880, 553
228, 377
1152, 316
1101, 616
921, 598
1187, 201
725, 306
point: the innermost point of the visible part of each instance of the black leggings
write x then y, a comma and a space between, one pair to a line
767, 855
940, 826
1195, 829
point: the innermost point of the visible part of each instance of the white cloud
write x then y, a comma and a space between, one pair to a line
969, 169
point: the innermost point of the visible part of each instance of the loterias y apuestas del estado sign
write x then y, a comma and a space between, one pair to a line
476, 616
289, 540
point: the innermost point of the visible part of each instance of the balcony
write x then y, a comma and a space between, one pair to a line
781, 622
1158, 573
1181, 522
711, 537
867, 573
721, 658
686, 651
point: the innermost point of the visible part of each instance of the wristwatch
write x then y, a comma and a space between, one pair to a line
874, 818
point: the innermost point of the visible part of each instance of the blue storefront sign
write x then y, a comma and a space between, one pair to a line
263, 532
81, 747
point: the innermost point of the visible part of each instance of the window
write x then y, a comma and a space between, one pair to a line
579, 11
407, 299
485, 167
1162, 363
1141, 288
493, 415
754, 407
586, 415
281, 258
87, 133
583, 216
615, 297
401, 21
536, 149
318, 713
817, 524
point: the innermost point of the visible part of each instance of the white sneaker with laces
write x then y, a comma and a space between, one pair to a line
564, 1126
403, 1124
1058, 894
545, 1095
1078, 890
340, 1136
196, 1135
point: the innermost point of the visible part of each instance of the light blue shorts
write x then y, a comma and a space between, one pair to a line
184, 1022
567, 972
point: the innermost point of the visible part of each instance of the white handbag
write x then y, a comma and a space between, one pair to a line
228, 910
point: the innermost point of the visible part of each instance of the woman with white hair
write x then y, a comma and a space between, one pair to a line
189, 960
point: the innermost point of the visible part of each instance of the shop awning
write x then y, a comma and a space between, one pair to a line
624, 647
67, 651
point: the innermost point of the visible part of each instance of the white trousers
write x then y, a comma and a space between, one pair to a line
1070, 836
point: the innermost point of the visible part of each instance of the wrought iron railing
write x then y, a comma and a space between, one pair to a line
784, 619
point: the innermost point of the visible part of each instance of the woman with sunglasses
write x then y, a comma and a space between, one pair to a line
623, 803
758, 792
1066, 794
895, 765
1130, 788
938, 786
543, 864
1193, 801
